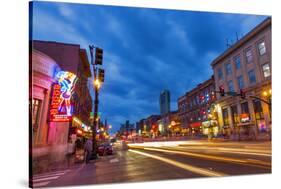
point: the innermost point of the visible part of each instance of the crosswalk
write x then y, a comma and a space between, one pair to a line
44, 179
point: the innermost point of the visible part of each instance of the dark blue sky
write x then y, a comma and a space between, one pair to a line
145, 50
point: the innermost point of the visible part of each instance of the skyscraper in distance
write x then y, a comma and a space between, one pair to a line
164, 102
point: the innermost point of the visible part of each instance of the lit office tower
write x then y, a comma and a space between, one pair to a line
164, 102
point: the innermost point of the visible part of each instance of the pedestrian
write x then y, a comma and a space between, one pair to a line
88, 149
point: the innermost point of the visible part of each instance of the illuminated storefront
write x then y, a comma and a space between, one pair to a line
43, 69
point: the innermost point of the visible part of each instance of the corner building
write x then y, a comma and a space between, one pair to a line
246, 65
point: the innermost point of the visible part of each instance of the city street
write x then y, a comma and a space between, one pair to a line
152, 161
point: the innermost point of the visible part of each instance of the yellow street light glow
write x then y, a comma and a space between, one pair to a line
269, 91
97, 83
264, 93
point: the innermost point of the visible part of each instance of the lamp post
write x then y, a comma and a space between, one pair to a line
98, 79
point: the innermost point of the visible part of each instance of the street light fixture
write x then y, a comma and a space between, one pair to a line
98, 79
97, 83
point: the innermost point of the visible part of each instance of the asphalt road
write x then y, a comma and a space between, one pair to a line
164, 161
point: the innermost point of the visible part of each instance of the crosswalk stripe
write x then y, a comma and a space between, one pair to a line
42, 176
55, 172
47, 178
35, 185
44, 179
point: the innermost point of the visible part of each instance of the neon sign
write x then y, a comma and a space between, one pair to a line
61, 107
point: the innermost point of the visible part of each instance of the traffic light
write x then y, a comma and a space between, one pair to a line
98, 56
222, 93
101, 75
242, 94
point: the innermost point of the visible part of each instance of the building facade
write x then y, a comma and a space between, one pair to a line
164, 102
150, 126
246, 66
75, 67
196, 109
127, 129
42, 76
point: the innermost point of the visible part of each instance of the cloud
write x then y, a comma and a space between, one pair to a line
145, 50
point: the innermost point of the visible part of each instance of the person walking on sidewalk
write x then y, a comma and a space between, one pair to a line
88, 149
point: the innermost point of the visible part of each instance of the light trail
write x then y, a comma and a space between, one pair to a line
232, 150
187, 167
255, 163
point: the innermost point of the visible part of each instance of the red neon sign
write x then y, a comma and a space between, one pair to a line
55, 114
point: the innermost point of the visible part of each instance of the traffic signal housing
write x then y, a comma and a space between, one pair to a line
101, 75
222, 93
98, 56
242, 94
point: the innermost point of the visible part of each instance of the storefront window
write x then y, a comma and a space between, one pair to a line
234, 115
36, 105
245, 108
259, 115
225, 117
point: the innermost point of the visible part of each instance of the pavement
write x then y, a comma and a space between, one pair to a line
154, 161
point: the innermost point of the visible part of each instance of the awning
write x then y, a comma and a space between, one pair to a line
195, 124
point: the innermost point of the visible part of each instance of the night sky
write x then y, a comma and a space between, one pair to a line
145, 50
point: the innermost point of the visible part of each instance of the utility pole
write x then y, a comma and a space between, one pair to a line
98, 79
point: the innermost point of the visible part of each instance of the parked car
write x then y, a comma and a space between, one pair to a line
105, 149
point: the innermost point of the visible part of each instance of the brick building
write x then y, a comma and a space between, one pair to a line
246, 65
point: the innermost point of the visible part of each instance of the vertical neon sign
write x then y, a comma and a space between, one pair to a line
61, 107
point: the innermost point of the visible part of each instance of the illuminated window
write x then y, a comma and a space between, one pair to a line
258, 109
262, 49
266, 70
249, 56
36, 105
234, 114
225, 116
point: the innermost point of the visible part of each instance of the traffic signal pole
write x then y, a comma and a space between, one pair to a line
96, 103
99, 77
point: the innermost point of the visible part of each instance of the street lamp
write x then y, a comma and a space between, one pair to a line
97, 83
98, 79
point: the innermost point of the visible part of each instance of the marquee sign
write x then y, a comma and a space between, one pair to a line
60, 107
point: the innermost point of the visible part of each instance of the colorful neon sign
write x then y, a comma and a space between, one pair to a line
61, 107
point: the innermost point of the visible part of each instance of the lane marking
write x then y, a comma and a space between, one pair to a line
187, 167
